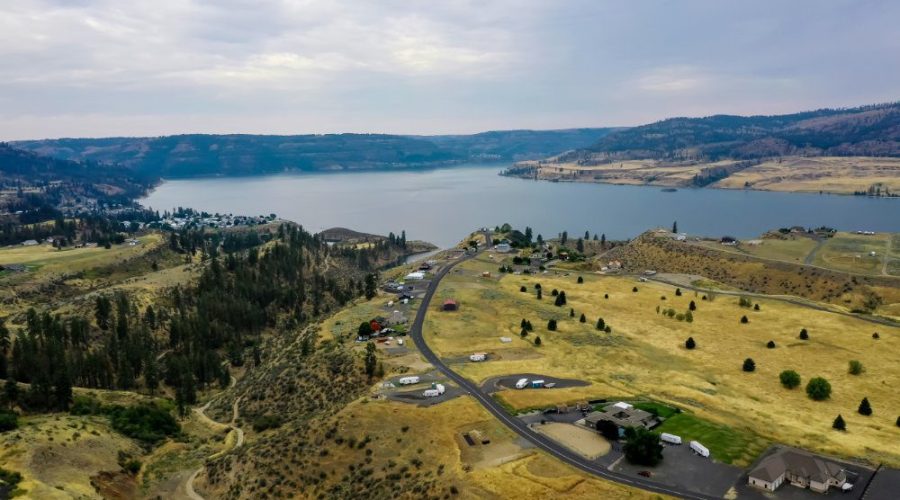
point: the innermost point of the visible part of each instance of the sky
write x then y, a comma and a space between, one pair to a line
95, 68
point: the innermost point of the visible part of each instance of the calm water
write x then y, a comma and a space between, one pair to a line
444, 205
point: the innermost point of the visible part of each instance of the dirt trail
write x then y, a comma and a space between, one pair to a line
239, 438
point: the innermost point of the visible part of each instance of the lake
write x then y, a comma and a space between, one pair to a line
443, 205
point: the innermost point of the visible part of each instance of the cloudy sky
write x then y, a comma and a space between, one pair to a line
87, 68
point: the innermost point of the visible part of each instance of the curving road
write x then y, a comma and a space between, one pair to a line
515, 424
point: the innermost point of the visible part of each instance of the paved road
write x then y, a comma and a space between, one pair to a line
515, 424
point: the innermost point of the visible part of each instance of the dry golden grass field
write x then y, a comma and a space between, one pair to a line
792, 250
842, 175
402, 434
644, 355
58, 455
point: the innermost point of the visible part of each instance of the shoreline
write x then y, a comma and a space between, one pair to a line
689, 188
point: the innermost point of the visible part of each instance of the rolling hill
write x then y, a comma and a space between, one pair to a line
233, 155
862, 131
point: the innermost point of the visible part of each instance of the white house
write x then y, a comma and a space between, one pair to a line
798, 468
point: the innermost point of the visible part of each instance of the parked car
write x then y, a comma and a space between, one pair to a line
645, 473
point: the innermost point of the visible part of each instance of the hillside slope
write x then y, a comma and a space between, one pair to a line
863, 131
200, 154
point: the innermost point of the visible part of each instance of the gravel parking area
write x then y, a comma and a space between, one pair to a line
682, 468
496, 384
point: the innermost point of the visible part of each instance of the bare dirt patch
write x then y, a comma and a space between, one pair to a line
583, 441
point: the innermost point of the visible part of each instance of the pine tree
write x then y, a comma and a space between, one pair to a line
864, 407
690, 344
601, 324
551, 325
804, 335
371, 360
749, 365
537, 340
582, 319
692, 306
839, 424
675, 227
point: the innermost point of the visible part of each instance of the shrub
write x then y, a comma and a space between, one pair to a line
818, 389
898, 421
771, 344
678, 292
9, 420
144, 422
744, 320
132, 466
85, 405
876, 336
606, 296
789, 379
689, 343
555, 292
551, 325
864, 407
642, 447
756, 307
580, 280
839, 424
634, 289
679, 317
608, 329
749, 365
689, 317
572, 312
854, 367
692, 306
537, 340
523, 333
744, 302
582, 319
804, 335
10, 479
601, 324
523, 289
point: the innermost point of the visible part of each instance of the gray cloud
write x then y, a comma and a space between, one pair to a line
149, 67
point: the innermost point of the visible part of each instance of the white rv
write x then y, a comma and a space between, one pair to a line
665, 437
699, 449
408, 380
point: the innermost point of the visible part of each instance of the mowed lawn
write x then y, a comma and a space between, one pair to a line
644, 355
850, 252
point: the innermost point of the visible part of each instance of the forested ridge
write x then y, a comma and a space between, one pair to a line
253, 282
861, 131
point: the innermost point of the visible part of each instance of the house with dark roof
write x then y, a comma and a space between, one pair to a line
798, 468
623, 416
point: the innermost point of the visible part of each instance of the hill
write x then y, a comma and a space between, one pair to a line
862, 131
232, 155
519, 145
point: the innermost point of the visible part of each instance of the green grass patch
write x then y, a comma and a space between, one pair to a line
658, 409
726, 444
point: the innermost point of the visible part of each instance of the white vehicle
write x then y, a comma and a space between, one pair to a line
478, 356
435, 392
521, 383
846, 487
699, 449
399, 341
670, 438
537, 383
409, 380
